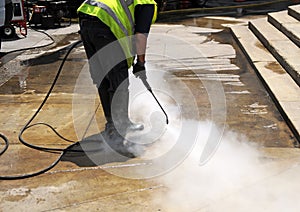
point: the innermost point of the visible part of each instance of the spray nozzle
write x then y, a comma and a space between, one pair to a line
145, 82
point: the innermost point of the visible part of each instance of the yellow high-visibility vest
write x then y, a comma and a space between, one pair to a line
119, 16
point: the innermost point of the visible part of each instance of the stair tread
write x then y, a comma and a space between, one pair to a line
286, 24
294, 11
295, 8
283, 17
279, 45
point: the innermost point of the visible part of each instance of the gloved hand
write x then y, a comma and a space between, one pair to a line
139, 70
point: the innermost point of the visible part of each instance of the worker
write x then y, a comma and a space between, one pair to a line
114, 32
6, 14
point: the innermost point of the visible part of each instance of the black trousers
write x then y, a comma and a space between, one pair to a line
108, 67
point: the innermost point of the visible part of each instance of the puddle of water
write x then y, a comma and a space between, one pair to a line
209, 22
22, 76
261, 46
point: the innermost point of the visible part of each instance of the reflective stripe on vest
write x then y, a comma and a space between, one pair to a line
109, 11
121, 25
129, 2
128, 13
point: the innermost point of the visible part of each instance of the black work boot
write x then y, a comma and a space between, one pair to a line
109, 127
134, 126
124, 126
116, 141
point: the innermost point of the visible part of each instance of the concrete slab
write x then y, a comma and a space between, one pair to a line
107, 192
177, 47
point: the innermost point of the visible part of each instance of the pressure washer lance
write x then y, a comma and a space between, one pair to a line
143, 77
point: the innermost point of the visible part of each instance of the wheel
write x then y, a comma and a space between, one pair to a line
8, 31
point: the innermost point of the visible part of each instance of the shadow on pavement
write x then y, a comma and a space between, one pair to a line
95, 151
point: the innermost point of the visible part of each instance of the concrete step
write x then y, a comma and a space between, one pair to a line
282, 48
294, 11
281, 87
286, 24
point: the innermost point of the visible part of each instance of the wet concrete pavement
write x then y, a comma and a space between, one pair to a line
256, 151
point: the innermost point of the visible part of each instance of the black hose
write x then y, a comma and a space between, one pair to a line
6, 143
27, 126
34, 47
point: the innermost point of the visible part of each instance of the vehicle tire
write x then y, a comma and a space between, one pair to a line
8, 31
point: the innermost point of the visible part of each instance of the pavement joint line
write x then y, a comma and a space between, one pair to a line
96, 168
108, 196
